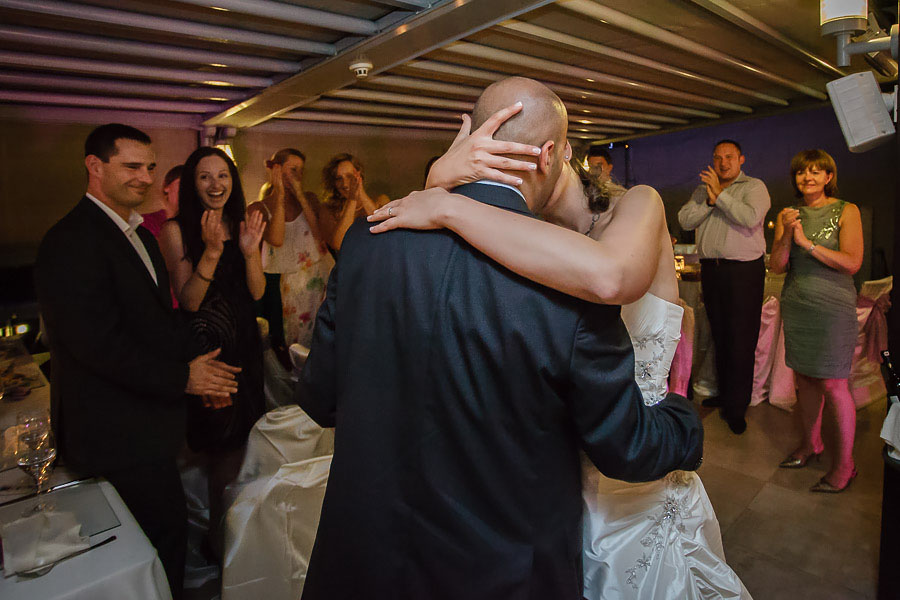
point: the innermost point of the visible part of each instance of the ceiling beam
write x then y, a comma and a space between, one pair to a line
111, 46
135, 71
599, 12
291, 13
107, 102
524, 61
125, 88
749, 23
423, 32
570, 42
223, 35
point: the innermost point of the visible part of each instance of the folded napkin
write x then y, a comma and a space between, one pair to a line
8, 447
890, 431
39, 540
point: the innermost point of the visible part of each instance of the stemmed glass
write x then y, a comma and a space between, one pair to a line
35, 451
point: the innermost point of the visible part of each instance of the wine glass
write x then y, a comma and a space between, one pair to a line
35, 453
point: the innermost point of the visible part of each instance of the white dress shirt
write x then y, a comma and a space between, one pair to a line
129, 228
733, 228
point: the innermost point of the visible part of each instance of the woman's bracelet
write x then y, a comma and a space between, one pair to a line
203, 277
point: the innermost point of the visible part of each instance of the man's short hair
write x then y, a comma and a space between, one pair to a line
172, 174
732, 142
595, 151
101, 142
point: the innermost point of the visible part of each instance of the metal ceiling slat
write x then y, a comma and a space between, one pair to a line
394, 98
600, 12
309, 115
292, 13
426, 85
583, 94
99, 67
107, 102
565, 40
390, 109
613, 112
438, 87
441, 68
77, 41
84, 12
747, 22
90, 84
518, 60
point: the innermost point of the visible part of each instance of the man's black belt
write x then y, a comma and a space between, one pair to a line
726, 261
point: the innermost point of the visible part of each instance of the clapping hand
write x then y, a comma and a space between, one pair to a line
713, 186
277, 182
211, 378
790, 220
479, 155
212, 231
251, 232
799, 236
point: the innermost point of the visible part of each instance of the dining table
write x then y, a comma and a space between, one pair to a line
120, 562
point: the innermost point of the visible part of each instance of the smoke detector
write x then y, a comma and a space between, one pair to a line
361, 67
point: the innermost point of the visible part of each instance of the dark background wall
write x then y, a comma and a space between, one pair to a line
671, 163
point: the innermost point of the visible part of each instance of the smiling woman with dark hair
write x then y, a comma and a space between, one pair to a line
213, 254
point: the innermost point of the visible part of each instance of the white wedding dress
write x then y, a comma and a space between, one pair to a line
658, 540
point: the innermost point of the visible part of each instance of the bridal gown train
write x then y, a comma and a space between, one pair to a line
658, 540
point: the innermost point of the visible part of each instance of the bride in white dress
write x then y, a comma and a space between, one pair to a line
658, 540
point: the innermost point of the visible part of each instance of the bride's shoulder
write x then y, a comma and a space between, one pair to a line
639, 199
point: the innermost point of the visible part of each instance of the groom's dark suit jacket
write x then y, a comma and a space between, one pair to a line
461, 394
119, 356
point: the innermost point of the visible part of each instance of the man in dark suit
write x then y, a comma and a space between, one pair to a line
121, 362
461, 394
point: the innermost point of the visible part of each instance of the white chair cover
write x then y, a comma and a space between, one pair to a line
271, 523
705, 383
782, 389
866, 383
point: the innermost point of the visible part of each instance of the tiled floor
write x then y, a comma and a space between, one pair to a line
782, 540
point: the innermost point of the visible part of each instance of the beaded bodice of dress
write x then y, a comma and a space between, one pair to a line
654, 326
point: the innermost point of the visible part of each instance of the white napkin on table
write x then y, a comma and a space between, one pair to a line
40, 539
890, 431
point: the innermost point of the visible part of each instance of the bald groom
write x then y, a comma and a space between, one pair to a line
461, 395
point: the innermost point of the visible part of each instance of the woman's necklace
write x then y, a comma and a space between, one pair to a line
594, 220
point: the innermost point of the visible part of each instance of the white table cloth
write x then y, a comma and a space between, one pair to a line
125, 568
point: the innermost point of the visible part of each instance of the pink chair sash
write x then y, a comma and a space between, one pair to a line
875, 329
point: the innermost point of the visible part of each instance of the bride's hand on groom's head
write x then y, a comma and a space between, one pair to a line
477, 155
427, 209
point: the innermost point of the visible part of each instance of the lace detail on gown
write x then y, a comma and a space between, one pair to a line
657, 540
655, 328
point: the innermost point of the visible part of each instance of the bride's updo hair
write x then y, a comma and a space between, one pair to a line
597, 190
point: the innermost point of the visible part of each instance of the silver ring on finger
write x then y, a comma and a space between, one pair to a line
390, 211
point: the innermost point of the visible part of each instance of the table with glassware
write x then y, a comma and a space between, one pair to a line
75, 540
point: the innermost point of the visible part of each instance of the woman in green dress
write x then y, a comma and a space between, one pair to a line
820, 245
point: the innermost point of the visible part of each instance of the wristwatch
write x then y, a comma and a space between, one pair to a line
811, 248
